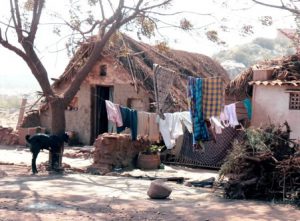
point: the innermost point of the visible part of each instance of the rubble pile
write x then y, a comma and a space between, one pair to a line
286, 69
264, 165
84, 153
8, 136
115, 151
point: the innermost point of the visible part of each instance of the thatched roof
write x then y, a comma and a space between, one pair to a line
139, 58
285, 71
239, 87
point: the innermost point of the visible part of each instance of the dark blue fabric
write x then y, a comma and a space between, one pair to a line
200, 131
129, 118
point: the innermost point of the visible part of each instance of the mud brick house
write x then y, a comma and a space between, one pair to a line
124, 75
275, 90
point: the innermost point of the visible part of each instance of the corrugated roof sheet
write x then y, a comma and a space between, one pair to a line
275, 82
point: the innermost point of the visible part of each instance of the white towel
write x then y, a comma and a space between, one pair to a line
230, 112
172, 126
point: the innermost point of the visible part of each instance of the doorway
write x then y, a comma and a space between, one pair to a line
99, 122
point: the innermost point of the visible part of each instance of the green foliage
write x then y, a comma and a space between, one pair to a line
271, 139
153, 149
233, 160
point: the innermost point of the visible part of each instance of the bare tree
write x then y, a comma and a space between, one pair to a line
290, 5
293, 7
26, 29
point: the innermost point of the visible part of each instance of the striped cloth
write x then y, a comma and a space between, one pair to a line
200, 131
213, 97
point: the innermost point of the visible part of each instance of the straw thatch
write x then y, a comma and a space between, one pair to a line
239, 87
138, 59
284, 70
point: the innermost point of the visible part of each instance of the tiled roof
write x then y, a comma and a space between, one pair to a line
276, 82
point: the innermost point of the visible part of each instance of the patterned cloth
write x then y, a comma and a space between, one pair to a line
213, 99
200, 131
163, 81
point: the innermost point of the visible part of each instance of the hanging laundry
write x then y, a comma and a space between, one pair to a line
147, 126
200, 131
216, 124
129, 118
163, 81
186, 120
153, 128
213, 99
248, 106
113, 113
172, 126
165, 130
224, 119
230, 112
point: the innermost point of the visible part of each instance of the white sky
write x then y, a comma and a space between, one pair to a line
15, 75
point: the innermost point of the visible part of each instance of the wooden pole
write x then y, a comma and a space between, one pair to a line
21, 113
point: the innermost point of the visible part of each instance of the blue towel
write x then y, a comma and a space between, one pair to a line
200, 131
248, 106
129, 118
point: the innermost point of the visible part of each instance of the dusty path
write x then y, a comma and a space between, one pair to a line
86, 197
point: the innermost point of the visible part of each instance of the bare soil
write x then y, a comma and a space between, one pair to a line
78, 196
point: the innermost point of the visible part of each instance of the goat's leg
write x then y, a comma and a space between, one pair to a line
33, 162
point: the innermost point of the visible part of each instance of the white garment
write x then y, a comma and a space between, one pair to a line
230, 112
216, 124
172, 126
186, 120
224, 119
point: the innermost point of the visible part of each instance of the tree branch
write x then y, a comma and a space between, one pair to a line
9, 46
36, 15
16, 19
283, 7
157, 5
102, 9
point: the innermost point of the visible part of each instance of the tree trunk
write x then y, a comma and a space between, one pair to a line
58, 126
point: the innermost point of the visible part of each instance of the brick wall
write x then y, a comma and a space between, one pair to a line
116, 151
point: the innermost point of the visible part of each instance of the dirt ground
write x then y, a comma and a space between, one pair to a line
78, 196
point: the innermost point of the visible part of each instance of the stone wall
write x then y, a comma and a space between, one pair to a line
116, 151
8, 136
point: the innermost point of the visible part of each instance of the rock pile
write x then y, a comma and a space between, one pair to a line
8, 136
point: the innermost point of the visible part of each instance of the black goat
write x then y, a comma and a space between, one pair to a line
43, 141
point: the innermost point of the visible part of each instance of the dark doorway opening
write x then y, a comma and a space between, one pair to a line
99, 122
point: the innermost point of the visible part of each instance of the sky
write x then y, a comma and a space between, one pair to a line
15, 76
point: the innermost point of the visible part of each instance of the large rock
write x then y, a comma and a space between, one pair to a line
159, 190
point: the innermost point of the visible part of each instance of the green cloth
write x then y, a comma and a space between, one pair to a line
129, 118
248, 106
